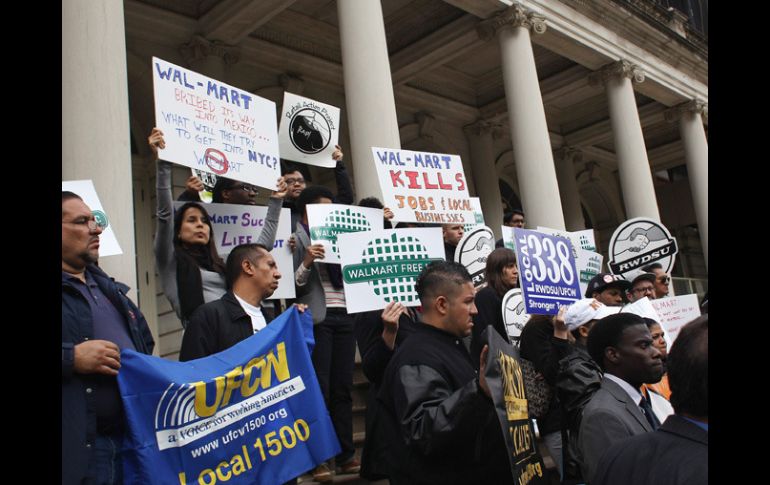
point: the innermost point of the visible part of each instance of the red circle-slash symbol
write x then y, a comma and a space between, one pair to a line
216, 161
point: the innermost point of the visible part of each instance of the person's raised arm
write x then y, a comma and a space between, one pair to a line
267, 236
344, 187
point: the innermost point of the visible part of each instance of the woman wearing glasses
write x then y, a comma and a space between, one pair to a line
191, 271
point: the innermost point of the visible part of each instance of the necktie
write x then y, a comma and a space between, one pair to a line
648, 413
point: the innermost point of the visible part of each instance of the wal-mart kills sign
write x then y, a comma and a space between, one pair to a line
423, 187
212, 126
253, 413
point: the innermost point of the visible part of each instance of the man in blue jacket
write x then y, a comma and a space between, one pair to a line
98, 321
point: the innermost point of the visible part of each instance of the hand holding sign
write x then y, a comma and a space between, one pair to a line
156, 141
313, 252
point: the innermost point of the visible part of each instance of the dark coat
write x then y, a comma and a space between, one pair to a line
375, 356
610, 417
216, 326
674, 454
78, 399
539, 346
490, 307
448, 429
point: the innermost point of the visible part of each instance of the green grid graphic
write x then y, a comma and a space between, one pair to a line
393, 249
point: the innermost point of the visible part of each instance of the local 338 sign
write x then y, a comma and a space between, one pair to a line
547, 271
639, 242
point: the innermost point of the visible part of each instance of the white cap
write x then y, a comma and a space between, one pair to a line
585, 310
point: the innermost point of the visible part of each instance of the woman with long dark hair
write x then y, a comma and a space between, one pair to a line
501, 274
191, 271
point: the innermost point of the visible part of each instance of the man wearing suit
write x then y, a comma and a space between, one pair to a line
622, 345
677, 453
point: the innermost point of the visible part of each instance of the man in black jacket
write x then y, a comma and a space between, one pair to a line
448, 431
97, 322
251, 275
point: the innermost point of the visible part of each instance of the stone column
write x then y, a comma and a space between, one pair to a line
566, 158
696, 152
95, 120
369, 101
529, 131
633, 165
480, 137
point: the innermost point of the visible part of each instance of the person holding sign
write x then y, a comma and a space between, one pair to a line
378, 334
320, 287
98, 321
191, 271
446, 425
252, 276
296, 184
502, 274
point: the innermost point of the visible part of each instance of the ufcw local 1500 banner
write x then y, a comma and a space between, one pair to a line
253, 413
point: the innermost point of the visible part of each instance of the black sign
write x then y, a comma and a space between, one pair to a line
506, 383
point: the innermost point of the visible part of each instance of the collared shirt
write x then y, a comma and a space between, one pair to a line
636, 396
108, 324
258, 321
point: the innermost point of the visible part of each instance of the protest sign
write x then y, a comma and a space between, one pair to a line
236, 224
215, 127
476, 205
108, 243
639, 242
547, 271
587, 261
508, 239
675, 312
327, 221
514, 315
253, 413
380, 267
309, 130
423, 187
505, 379
209, 181
472, 252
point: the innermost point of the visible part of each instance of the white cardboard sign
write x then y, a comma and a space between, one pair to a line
508, 240
675, 312
215, 127
423, 187
472, 252
476, 204
236, 224
638, 242
380, 267
328, 221
515, 315
108, 243
309, 130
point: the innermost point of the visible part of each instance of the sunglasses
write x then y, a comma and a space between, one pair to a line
665, 279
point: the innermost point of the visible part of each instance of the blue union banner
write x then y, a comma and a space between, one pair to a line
253, 413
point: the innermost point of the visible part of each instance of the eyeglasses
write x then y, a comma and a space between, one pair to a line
647, 289
246, 187
82, 221
291, 181
665, 279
